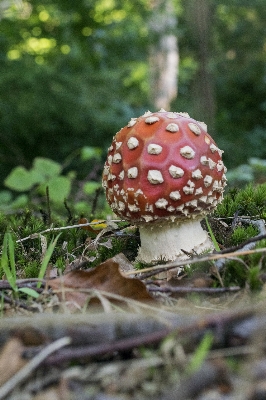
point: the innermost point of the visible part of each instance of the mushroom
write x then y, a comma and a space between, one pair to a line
164, 173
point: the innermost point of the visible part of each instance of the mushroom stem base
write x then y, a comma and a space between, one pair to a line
166, 240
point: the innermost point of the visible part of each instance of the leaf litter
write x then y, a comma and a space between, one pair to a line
129, 334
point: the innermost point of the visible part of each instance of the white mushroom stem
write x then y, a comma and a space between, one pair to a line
164, 240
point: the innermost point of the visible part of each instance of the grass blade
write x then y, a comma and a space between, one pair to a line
216, 245
46, 259
11, 249
29, 291
10, 272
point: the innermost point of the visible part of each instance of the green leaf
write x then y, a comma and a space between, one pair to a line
88, 152
30, 292
90, 187
46, 168
46, 259
20, 179
59, 188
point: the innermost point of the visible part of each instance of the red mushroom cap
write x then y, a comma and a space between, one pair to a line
163, 165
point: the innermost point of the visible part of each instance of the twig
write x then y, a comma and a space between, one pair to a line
16, 303
105, 348
61, 228
30, 282
182, 289
24, 372
147, 272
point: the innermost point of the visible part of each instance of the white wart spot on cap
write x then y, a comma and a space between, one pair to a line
154, 148
204, 160
212, 164
161, 203
213, 148
132, 143
171, 209
203, 125
118, 145
187, 152
207, 180
139, 191
121, 206
194, 128
155, 177
152, 120
147, 218
149, 207
106, 170
133, 208
176, 172
132, 122
220, 166
172, 128
188, 189
203, 199
111, 177
197, 174
121, 175
171, 115
184, 114
117, 158
175, 195
192, 203
198, 191
147, 113
132, 172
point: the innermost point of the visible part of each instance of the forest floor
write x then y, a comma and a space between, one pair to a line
113, 332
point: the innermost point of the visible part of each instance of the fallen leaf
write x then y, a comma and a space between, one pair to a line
10, 359
97, 224
106, 277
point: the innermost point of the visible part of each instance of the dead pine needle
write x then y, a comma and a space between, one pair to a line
24, 372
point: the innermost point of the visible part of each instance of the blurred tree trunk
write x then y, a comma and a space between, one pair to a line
164, 56
199, 16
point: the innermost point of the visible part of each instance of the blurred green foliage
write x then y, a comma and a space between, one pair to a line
72, 73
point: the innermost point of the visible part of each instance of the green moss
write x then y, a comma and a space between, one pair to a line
250, 201
31, 269
242, 233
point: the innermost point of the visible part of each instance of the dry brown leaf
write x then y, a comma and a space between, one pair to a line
106, 277
10, 359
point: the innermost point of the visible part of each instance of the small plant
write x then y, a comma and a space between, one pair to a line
9, 268
200, 353
8, 265
46, 182
44, 173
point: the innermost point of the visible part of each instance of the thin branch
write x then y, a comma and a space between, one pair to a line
147, 272
105, 348
183, 289
62, 228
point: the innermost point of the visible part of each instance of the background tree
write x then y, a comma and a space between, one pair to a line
164, 57
72, 73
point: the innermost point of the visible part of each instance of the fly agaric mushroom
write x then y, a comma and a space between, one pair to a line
164, 173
